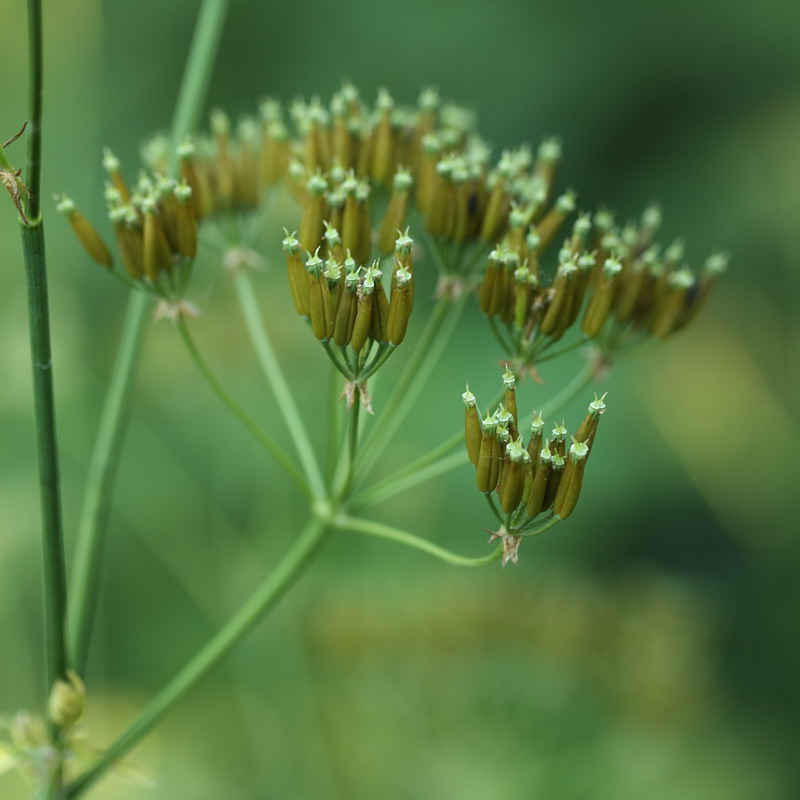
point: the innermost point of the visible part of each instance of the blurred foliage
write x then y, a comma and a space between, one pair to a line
644, 649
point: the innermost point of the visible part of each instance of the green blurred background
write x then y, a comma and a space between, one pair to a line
649, 648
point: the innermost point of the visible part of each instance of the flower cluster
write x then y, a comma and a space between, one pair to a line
618, 282
155, 227
537, 484
362, 176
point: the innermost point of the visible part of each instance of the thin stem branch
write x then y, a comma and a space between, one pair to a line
413, 379
429, 466
541, 528
495, 510
277, 382
197, 72
345, 522
108, 444
249, 423
334, 420
90, 542
260, 602
556, 353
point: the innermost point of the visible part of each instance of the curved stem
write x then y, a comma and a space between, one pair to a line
256, 430
277, 382
344, 522
495, 511
541, 529
260, 602
90, 542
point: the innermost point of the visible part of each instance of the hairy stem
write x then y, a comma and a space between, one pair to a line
260, 602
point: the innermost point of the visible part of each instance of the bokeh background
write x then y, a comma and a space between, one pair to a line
650, 647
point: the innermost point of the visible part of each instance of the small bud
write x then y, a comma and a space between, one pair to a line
484, 468
86, 233
569, 488
472, 427
67, 701
588, 428
513, 482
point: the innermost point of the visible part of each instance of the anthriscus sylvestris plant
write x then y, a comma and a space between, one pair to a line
384, 192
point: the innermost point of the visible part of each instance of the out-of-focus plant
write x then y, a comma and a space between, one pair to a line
383, 191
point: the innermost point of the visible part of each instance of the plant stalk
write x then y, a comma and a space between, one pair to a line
412, 540
260, 602
55, 584
108, 444
277, 382
34, 256
91, 539
272, 447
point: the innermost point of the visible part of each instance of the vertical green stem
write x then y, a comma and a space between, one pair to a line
35, 84
33, 249
55, 585
105, 456
334, 420
90, 541
259, 603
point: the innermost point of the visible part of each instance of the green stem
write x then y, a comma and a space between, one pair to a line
33, 250
556, 353
55, 584
106, 454
420, 471
344, 522
277, 382
434, 339
197, 72
260, 602
35, 84
90, 542
495, 511
334, 420
541, 528
257, 432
